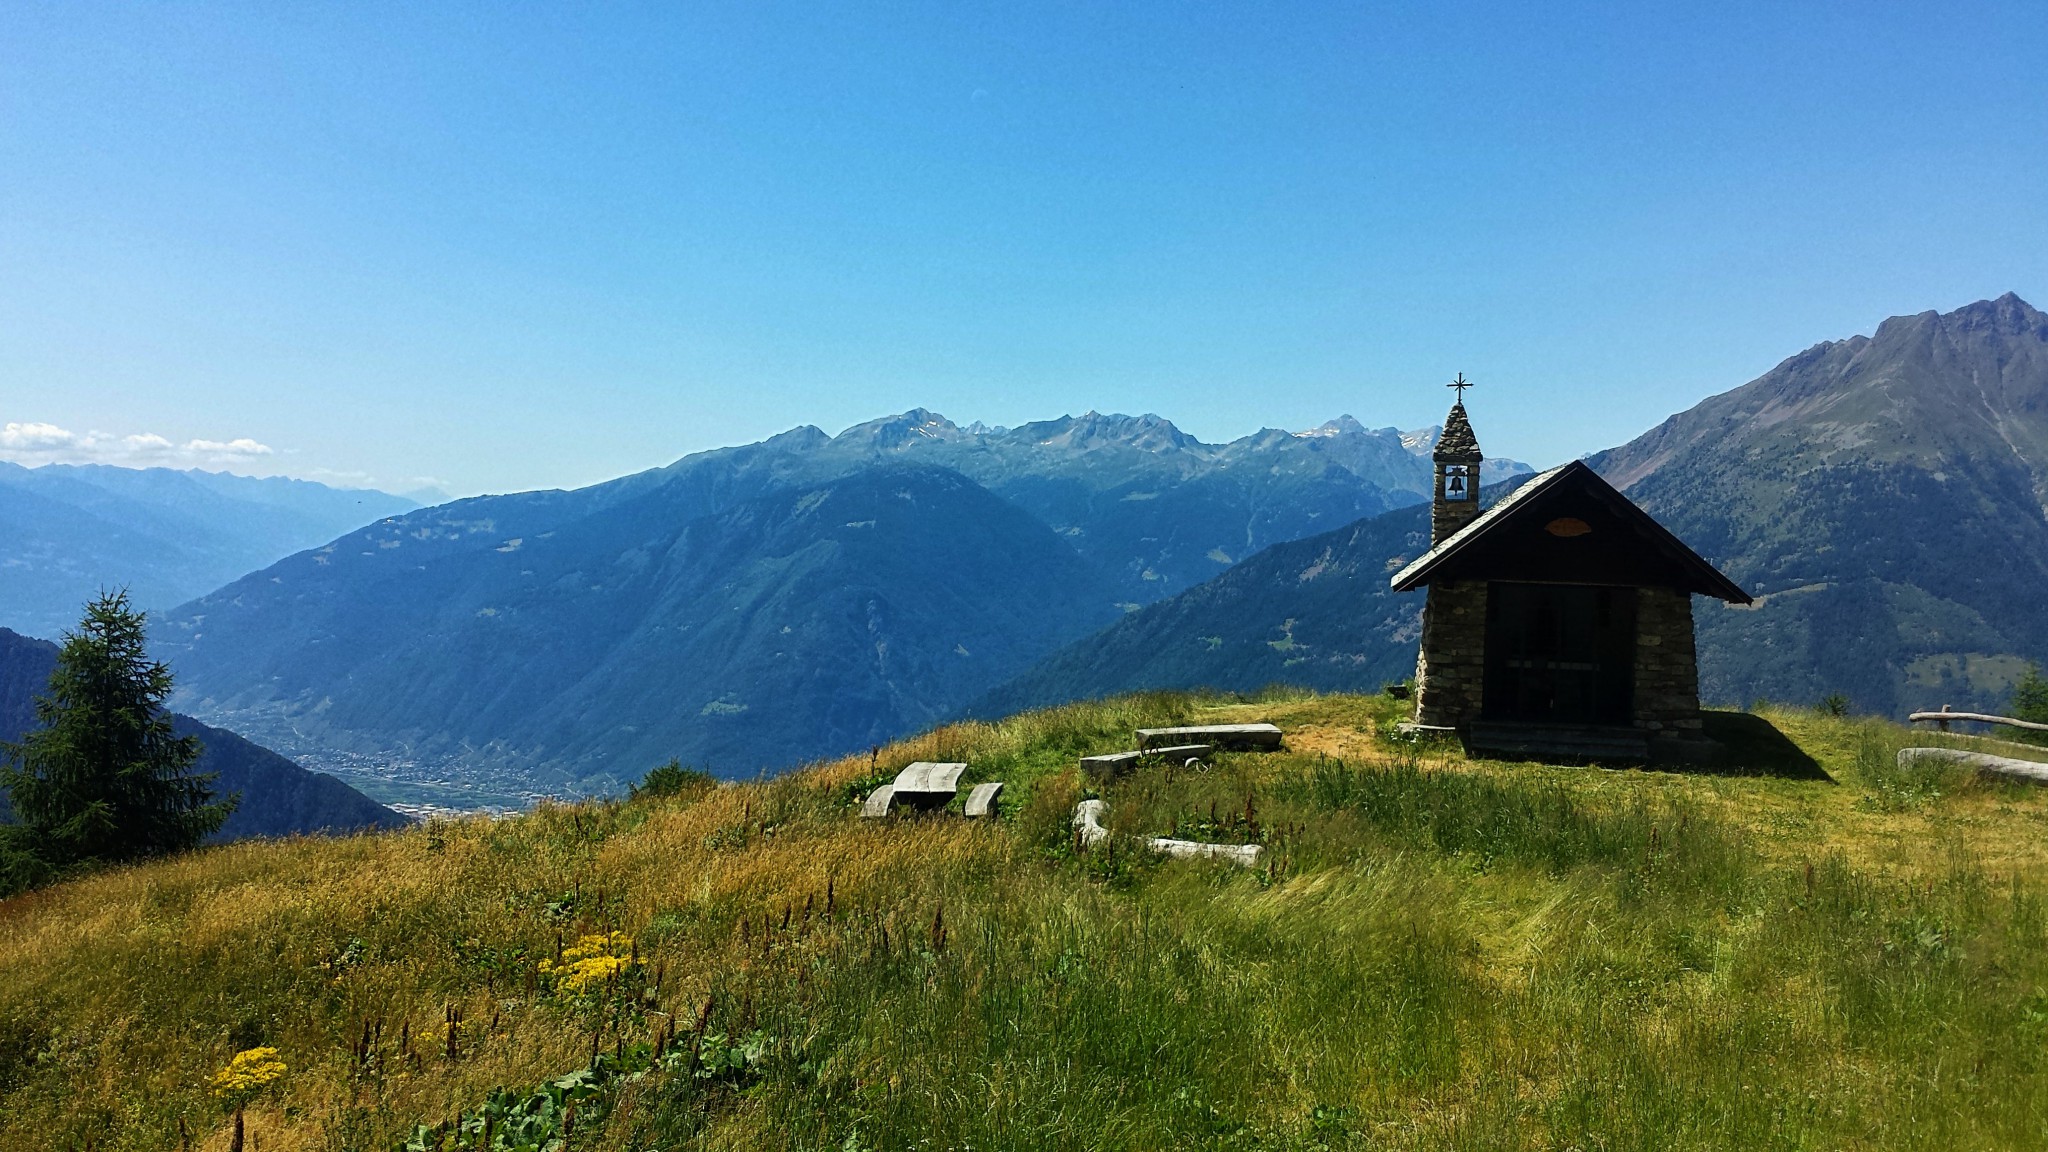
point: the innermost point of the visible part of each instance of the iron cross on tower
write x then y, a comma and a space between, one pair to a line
1460, 384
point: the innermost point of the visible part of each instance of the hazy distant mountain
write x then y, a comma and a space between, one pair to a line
67, 531
1882, 495
1156, 508
537, 640
548, 645
279, 798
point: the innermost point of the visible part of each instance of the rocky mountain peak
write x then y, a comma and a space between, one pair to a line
1345, 425
1092, 430
901, 430
1422, 441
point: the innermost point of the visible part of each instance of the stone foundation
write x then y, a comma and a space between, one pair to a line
1450, 672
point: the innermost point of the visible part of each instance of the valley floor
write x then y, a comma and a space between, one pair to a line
1808, 949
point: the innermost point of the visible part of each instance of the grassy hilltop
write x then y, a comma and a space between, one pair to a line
1823, 952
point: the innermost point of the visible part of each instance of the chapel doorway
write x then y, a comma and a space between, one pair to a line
1560, 653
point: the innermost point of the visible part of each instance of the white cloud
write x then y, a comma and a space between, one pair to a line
240, 446
33, 438
34, 443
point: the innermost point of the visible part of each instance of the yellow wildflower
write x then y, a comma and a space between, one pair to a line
248, 1072
589, 962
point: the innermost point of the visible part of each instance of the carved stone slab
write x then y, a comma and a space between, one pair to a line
1109, 764
877, 803
1982, 761
1245, 854
981, 802
1088, 816
1257, 736
926, 786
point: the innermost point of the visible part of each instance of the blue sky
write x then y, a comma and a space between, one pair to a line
498, 247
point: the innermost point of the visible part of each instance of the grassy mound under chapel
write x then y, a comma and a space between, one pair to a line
1808, 949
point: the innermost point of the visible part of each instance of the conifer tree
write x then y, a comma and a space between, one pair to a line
104, 778
2030, 702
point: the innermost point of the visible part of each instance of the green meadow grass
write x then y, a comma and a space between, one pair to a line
1803, 949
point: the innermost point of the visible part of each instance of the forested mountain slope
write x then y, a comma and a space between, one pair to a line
587, 649
1316, 612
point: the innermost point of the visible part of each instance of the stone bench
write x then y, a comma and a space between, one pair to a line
924, 786
1253, 737
877, 803
981, 802
1109, 764
1088, 816
1113, 764
1245, 854
1088, 830
928, 787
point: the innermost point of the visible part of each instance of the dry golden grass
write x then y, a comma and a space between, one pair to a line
1372, 987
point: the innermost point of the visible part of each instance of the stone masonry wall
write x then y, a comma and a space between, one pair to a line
1450, 673
1667, 667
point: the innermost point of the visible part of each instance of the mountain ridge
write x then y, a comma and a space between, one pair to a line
1884, 498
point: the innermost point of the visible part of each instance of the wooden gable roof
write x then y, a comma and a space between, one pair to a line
1569, 526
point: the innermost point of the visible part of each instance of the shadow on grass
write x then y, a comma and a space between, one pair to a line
1753, 746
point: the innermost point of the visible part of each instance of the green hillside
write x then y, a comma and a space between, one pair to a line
1804, 949
1317, 613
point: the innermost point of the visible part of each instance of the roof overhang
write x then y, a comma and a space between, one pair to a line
1512, 540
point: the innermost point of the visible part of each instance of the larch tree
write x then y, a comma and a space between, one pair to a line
104, 777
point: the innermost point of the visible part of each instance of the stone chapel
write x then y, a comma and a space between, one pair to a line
1558, 623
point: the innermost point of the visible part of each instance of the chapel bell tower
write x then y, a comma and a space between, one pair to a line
1457, 471
1450, 665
